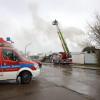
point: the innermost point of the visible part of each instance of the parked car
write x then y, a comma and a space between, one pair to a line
36, 59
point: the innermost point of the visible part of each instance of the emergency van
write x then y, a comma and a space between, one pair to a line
13, 66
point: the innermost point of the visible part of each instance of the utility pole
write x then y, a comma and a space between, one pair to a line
26, 48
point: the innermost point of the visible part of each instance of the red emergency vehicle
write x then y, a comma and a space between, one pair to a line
13, 66
61, 58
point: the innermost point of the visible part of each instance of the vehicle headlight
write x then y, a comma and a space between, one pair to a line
36, 66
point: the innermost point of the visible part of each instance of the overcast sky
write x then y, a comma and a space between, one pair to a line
30, 21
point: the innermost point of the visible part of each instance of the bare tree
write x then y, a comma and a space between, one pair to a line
95, 30
95, 34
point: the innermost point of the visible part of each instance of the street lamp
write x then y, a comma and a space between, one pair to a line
26, 48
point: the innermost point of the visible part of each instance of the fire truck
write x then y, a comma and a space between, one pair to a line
65, 56
14, 66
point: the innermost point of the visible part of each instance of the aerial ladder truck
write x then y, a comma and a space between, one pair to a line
65, 56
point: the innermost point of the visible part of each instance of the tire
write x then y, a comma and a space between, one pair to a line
24, 78
18, 80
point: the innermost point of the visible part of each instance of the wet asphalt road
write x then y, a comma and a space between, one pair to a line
56, 83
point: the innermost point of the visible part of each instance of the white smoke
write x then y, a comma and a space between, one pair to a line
32, 28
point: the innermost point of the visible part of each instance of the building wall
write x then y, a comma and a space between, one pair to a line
90, 58
84, 58
78, 58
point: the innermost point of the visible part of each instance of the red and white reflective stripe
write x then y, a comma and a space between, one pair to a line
13, 69
9, 69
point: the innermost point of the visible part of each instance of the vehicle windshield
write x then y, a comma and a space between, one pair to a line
22, 56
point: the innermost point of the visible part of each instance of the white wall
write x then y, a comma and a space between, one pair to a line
78, 58
84, 58
90, 58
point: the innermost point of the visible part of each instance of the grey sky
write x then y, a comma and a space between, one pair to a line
28, 21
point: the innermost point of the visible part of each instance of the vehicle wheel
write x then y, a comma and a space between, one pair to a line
24, 78
18, 80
